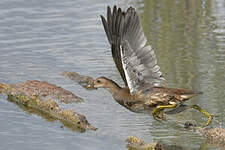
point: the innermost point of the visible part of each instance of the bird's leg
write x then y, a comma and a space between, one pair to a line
156, 111
209, 116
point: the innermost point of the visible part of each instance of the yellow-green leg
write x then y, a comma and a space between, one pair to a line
209, 116
157, 110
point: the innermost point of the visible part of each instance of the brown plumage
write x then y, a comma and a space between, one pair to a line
144, 85
140, 102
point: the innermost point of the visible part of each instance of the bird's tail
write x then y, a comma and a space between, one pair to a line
189, 94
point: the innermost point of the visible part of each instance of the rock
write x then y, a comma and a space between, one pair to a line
215, 136
134, 143
42, 89
32, 94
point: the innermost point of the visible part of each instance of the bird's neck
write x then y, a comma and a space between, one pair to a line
113, 87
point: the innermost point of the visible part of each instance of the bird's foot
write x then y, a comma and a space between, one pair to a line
209, 116
158, 113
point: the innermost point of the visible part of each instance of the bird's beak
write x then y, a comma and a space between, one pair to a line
91, 85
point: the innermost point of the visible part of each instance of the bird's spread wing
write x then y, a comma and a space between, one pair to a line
113, 32
134, 59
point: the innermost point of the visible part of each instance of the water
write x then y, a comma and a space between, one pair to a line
41, 39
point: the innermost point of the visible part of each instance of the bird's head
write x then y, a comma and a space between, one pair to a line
101, 82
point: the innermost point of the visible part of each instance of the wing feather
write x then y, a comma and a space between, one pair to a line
135, 60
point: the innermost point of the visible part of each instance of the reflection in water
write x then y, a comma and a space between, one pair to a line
176, 30
186, 36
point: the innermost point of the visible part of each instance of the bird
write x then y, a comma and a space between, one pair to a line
145, 90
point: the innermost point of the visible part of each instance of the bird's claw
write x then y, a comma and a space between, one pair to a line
157, 115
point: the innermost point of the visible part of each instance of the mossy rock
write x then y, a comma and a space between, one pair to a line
41, 96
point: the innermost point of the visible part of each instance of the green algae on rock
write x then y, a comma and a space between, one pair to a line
31, 93
85, 81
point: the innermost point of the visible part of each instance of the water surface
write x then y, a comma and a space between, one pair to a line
41, 39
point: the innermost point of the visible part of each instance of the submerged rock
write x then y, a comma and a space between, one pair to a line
84, 81
41, 96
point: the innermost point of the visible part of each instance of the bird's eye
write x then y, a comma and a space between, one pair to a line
98, 81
